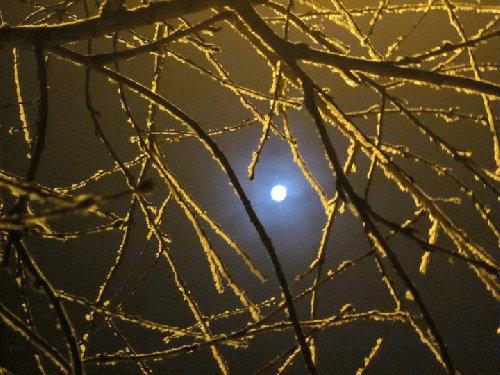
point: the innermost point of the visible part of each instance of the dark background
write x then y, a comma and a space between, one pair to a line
464, 311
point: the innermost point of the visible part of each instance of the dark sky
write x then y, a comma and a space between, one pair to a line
144, 286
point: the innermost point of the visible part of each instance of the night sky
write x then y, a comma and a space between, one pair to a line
77, 250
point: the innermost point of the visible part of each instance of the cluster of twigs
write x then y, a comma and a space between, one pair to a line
306, 46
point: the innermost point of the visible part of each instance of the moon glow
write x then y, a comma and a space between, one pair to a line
278, 193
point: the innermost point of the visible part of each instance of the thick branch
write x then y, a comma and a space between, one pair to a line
290, 53
97, 26
102, 24
390, 69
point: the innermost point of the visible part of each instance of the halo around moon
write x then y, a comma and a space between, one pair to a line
278, 193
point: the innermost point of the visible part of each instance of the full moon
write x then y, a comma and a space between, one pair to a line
278, 193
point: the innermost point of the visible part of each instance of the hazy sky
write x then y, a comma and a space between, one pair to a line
465, 313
